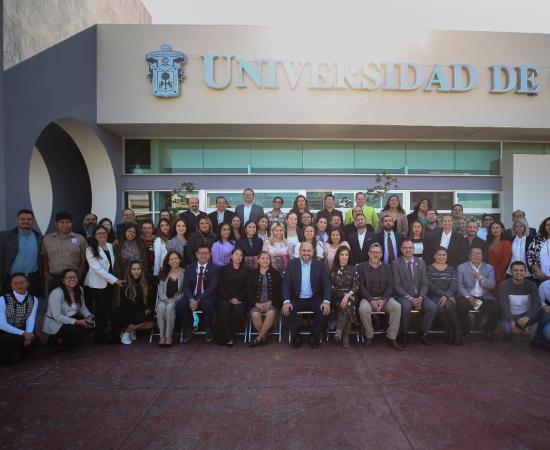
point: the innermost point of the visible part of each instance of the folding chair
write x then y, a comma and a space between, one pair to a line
250, 331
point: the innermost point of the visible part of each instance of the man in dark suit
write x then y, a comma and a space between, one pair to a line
192, 214
221, 215
248, 211
199, 293
360, 240
306, 287
410, 282
472, 240
449, 238
389, 240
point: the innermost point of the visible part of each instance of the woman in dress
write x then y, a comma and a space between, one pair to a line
178, 242
416, 235
538, 255
263, 287
170, 292
278, 247
164, 230
309, 236
262, 223
222, 248
394, 209
500, 253
336, 239
203, 236
250, 244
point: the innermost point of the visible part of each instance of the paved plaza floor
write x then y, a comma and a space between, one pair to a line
476, 396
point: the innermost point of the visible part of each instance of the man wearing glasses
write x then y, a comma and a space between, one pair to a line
276, 215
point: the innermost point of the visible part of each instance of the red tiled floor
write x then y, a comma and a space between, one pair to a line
204, 396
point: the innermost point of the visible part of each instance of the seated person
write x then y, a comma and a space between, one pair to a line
263, 286
169, 296
17, 319
542, 336
476, 279
410, 283
519, 300
306, 287
68, 319
375, 290
200, 284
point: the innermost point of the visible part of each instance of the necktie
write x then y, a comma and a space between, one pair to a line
391, 253
199, 282
411, 270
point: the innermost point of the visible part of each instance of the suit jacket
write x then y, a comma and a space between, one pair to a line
292, 281
9, 247
209, 281
227, 217
467, 281
161, 292
456, 252
191, 220
386, 281
477, 243
98, 273
403, 283
255, 212
380, 237
360, 254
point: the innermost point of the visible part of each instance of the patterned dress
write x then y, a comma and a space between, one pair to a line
344, 280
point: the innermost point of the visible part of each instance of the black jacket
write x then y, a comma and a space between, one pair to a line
9, 246
227, 217
456, 252
254, 287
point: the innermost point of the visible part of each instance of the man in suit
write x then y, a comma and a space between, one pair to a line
519, 214
360, 240
192, 214
473, 240
248, 210
199, 293
476, 279
306, 287
410, 281
221, 215
89, 222
449, 238
128, 216
389, 240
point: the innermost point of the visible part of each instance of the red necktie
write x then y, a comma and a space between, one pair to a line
199, 282
390, 250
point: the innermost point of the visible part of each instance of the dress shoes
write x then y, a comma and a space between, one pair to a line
458, 338
296, 342
425, 341
313, 342
488, 335
395, 345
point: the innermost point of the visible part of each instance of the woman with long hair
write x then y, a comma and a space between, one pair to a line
262, 224
178, 242
300, 206
309, 236
129, 248
222, 248
394, 209
236, 228
250, 244
538, 255
203, 236
170, 292
500, 252
416, 235
336, 239
108, 225
164, 231
420, 211
294, 234
321, 227
278, 247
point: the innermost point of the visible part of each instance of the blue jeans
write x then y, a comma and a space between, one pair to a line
507, 328
543, 330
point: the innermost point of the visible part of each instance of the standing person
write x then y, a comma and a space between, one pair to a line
294, 234
300, 206
223, 247
148, 239
248, 210
164, 233
336, 222
334, 242
62, 250
203, 236
350, 228
473, 240
449, 238
519, 301
538, 254
306, 287
231, 298
108, 224
519, 215
170, 295
443, 282
20, 253
89, 222
192, 214
410, 281
307, 219
262, 224
236, 228
432, 226
329, 210
165, 214
461, 226
129, 248
416, 235
276, 215
136, 304
278, 248
17, 318
99, 279
389, 240
200, 293
128, 217
375, 291
457, 213
359, 242
520, 239
321, 228
67, 319
309, 236
500, 253
476, 280
344, 280
370, 214
221, 215
178, 242
420, 211
250, 244
486, 220
263, 293
394, 209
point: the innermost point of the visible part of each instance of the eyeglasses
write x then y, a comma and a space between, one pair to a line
101, 233
71, 277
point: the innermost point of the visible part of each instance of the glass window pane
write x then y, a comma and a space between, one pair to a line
430, 157
478, 158
233, 199
375, 157
479, 200
510, 148
143, 217
328, 157
265, 199
344, 200
137, 155
226, 156
440, 200
176, 156
140, 202
316, 199
276, 157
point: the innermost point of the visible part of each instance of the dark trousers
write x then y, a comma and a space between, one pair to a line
10, 344
449, 316
491, 309
207, 306
102, 300
229, 320
306, 304
428, 313
73, 335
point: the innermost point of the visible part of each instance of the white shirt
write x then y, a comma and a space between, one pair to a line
361, 238
482, 233
29, 324
477, 291
519, 252
246, 212
198, 273
220, 216
445, 239
519, 304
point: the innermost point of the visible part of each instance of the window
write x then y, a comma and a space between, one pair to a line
329, 157
276, 157
137, 156
478, 158
264, 199
430, 158
474, 200
371, 156
226, 156
512, 148
440, 200
316, 199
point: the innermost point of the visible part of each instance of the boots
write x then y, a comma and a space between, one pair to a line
345, 335
340, 324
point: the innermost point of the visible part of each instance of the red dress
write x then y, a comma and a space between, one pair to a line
499, 257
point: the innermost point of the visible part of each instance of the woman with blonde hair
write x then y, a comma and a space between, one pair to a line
278, 247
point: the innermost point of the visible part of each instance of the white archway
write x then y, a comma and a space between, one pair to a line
40, 190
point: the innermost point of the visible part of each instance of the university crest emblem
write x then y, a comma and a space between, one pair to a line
165, 71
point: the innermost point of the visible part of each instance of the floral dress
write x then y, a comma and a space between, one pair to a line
344, 280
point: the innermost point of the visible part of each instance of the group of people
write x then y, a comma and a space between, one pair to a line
218, 270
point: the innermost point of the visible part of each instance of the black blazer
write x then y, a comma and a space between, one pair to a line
227, 217
232, 283
250, 250
254, 287
455, 252
380, 238
292, 281
195, 240
191, 220
360, 255
210, 281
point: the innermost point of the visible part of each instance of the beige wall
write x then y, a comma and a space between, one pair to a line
31, 26
124, 92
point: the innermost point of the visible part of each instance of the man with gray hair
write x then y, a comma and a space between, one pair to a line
376, 289
530, 232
